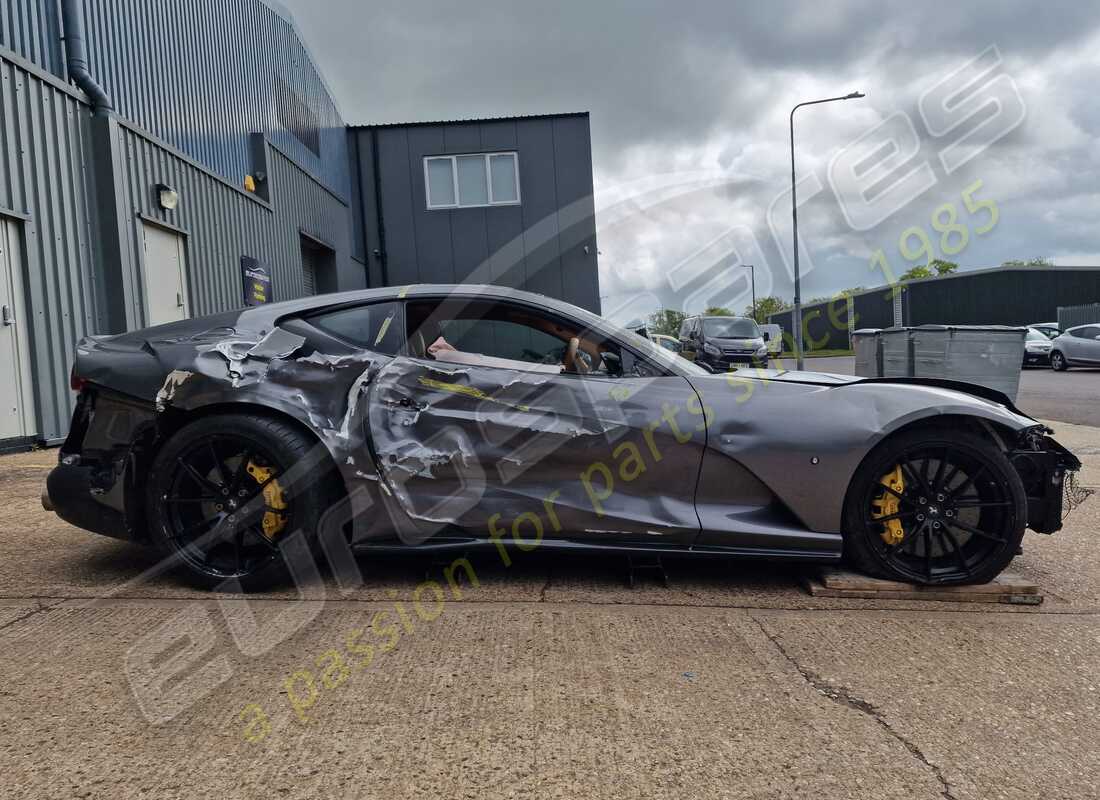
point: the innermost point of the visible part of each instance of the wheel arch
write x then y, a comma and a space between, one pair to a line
994, 431
175, 419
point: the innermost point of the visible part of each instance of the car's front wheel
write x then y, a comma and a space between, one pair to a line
935, 507
223, 495
1058, 362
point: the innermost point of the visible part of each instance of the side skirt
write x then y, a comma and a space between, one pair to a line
566, 545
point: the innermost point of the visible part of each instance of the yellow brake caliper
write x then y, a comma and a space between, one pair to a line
273, 522
888, 504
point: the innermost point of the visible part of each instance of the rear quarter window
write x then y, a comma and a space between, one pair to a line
374, 327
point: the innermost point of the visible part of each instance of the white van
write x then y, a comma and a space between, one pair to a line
775, 339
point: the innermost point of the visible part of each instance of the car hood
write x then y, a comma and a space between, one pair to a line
971, 390
737, 342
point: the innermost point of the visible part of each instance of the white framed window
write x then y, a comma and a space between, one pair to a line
472, 180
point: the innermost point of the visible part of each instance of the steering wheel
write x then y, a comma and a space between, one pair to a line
572, 361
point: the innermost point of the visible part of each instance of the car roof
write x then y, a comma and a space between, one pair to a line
272, 312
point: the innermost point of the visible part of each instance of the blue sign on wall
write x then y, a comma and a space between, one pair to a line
257, 282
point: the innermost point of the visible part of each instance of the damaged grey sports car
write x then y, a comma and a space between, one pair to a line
451, 418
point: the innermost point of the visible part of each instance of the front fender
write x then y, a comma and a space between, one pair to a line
804, 441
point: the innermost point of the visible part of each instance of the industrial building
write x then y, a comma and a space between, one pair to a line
999, 296
161, 160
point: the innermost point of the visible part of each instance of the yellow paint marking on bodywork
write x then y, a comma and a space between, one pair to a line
468, 391
887, 506
273, 523
382, 331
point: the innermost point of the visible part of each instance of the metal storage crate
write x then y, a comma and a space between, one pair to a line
986, 355
865, 342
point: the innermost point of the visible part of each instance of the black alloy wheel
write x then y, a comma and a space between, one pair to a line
219, 501
931, 508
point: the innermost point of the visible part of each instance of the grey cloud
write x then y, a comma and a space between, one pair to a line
708, 86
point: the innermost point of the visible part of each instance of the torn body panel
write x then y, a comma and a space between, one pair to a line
586, 458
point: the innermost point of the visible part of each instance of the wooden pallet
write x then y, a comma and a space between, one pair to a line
1006, 588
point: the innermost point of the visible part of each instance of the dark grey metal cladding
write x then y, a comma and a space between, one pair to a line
173, 67
1002, 296
46, 164
545, 244
32, 28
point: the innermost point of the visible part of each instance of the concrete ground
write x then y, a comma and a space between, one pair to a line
549, 679
1070, 396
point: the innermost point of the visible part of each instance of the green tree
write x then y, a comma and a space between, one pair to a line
666, 322
916, 273
766, 306
943, 267
834, 297
1038, 261
718, 311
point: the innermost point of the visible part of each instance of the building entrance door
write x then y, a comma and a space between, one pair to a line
165, 276
17, 419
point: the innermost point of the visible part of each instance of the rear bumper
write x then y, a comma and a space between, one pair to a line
71, 495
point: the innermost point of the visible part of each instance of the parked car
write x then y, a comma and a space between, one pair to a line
670, 343
435, 419
722, 343
1037, 347
1077, 347
1048, 329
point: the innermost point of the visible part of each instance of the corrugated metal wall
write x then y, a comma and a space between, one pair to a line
200, 74
45, 175
223, 223
1072, 316
32, 29
1001, 297
988, 297
49, 183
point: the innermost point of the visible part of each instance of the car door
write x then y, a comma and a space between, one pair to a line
1086, 345
492, 446
1073, 344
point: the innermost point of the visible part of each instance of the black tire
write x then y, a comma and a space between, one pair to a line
207, 499
1058, 362
973, 538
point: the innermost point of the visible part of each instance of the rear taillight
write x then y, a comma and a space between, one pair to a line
76, 383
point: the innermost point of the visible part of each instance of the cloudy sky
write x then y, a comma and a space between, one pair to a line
690, 104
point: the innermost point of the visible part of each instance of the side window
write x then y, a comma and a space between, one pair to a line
503, 339
373, 327
1091, 332
511, 336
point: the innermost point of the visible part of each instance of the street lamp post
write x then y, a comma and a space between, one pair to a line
752, 272
794, 219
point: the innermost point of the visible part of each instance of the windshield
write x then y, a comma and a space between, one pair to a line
1036, 336
730, 328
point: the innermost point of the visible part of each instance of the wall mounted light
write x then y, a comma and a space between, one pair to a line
167, 197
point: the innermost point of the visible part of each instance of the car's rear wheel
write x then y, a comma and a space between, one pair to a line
222, 499
935, 507
1058, 362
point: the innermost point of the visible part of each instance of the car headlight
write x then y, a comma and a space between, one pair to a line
711, 350
762, 350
